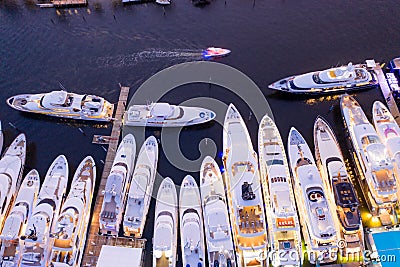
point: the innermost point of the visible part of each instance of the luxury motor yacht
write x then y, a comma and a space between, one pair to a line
283, 222
117, 186
377, 178
191, 224
221, 251
316, 216
333, 80
165, 239
166, 115
141, 188
69, 233
245, 200
64, 105
332, 167
11, 168
35, 247
18, 218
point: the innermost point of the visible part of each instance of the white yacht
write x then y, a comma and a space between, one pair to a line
141, 188
11, 168
117, 186
64, 105
245, 200
163, 2
283, 222
337, 181
165, 239
36, 243
17, 220
69, 233
191, 224
221, 251
166, 115
333, 80
316, 216
377, 178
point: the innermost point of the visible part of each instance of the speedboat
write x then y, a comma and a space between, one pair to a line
246, 205
116, 186
11, 168
64, 105
165, 239
334, 80
376, 170
344, 200
36, 240
166, 115
283, 222
191, 224
221, 251
163, 2
316, 216
69, 233
18, 218
215, 52
141, 188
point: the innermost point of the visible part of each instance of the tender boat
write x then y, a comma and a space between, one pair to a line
166, 115
64, 105
117, 186
376, 177
11, 168
69, 233
221, 251
245, 200
165, 239
191, 224
35, 247
283, 222
334, 80
332, 167
316, 216
215, 52
141, 188
17, 220
163, 2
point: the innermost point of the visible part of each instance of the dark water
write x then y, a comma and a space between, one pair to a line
91, 50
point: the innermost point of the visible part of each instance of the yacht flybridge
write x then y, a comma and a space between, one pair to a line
166, 115
333, 80
283, 222
141, 188
64, 105
377, 178
316, 216
70, 230
116, 186
344, 200
216, 219
244, 192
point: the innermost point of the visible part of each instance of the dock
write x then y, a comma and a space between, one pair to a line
95, 241
62, 3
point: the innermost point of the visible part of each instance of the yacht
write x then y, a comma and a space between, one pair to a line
116, 186
191, 224
246, 206
64, 105
221, 251
69, 233
165, 239
163, 2
166, 115
377, 178
141, 188
316, 216
11, 168
333, 80
18, 218
283, 222
36, 242
340, 189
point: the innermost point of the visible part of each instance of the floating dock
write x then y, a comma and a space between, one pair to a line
62, 3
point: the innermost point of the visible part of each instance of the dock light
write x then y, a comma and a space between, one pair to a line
221, 154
